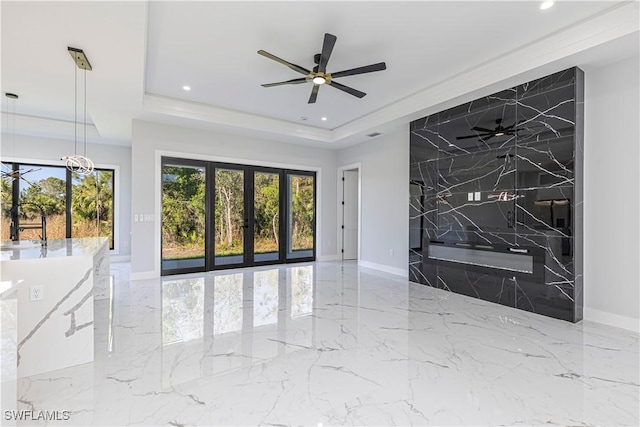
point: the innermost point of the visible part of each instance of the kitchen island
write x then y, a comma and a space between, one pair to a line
55, 301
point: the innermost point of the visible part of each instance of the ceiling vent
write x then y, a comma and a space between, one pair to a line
374, 134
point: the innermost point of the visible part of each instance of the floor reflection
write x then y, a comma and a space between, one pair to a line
182, 310
265, 297
301, 291
233, 302
227, 303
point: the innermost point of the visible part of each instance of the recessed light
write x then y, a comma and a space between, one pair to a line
546, 5
324, 119
187, 88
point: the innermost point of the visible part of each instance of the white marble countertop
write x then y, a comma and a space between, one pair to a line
8, 287
56, 248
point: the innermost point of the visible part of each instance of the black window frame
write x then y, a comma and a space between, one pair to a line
15, 195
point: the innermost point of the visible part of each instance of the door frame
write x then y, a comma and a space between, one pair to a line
295, 172
340, 212
207, 173
210, 167
247, 243
282, 201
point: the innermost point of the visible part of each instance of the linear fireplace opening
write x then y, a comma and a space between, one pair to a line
519, 262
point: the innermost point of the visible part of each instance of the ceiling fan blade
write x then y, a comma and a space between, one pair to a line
349, 90
288, 82
361, 70
327, 48
475, 136
294, 67
314, 94
479, 129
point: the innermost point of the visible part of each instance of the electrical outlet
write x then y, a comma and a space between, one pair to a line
36, 293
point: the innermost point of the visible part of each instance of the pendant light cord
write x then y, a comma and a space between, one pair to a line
85, 113
75, 111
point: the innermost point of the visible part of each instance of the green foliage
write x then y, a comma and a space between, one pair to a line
91, 202
49, 193
302, 212
92, 197
183, 205
266, 212
184, 210
5, 196
229, 211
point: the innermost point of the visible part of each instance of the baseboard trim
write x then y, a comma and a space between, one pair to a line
623, 322
386, 268
120, 258
144, 275
327, 258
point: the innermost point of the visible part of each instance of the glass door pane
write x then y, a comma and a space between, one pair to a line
266, 214
301, 216
230, 220
183, 217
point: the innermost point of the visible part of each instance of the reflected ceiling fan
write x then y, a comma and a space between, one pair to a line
10, 175
319, 75
486, 134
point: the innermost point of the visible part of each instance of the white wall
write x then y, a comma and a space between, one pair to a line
50, 151
612, 189
152, 140
384, 216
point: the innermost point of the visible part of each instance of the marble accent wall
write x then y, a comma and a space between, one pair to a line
496, 197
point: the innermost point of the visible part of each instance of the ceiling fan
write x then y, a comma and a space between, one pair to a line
486, 134
319, 75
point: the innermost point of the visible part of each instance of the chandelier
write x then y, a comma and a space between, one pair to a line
79, 163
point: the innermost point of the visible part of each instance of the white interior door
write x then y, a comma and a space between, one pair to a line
350, 215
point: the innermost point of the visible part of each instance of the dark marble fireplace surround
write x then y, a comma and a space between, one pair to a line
496, 197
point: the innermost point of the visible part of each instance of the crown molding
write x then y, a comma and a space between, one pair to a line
218, 115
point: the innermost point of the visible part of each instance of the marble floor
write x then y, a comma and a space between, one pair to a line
327, 344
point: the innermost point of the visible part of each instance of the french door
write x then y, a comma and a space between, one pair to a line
219, 215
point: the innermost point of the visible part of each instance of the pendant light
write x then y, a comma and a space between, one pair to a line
79, 163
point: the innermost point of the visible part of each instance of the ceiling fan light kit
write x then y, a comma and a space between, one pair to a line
318, 75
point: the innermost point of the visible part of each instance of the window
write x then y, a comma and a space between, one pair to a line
74, 205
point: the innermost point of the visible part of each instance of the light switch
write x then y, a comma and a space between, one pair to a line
477, 196
470, 197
